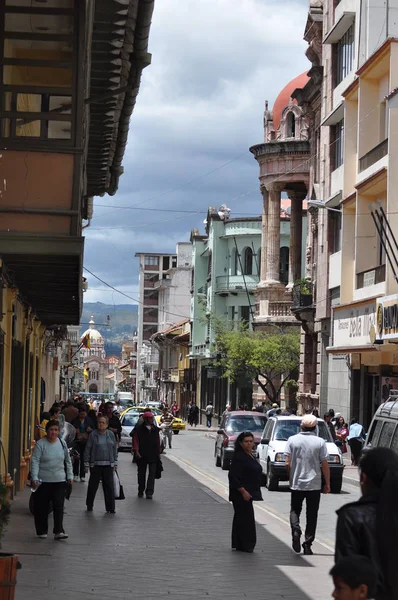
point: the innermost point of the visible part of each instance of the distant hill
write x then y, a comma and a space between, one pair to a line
122, 323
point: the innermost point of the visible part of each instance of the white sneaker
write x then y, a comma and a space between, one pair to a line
61, 536
82, 479
43, 536
75, 478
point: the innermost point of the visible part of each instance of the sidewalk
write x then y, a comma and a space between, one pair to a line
176, 546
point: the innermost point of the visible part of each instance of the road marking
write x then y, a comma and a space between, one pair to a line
225, 492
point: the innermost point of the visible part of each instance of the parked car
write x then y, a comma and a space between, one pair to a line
129, 420
232, 424
383, 431
271, 451
125, 398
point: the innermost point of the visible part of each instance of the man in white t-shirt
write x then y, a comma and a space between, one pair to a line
306, 461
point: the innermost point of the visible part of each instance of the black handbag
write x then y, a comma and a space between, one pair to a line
159, 469
121, 494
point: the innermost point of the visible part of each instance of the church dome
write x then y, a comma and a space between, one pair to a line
283, 98
95, 336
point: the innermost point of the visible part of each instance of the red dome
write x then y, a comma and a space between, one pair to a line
284, 96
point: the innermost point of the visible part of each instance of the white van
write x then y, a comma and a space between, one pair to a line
383, 431
271, 451
125, 398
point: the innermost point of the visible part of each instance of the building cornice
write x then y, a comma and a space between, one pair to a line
280, 148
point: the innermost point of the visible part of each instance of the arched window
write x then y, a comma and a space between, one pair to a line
291, 125
248, 261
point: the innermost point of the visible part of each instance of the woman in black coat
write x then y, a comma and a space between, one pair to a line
369, 527
244, 487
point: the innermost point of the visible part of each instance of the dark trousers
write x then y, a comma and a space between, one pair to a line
243, 526
312, 499
78, 463
356, 447
208, 420
105, 474
47, 493
144, 484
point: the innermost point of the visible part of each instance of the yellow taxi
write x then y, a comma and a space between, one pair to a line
178, 424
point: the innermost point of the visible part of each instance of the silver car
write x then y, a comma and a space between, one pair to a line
128, 421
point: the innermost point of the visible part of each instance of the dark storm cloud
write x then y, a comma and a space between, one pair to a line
200, 105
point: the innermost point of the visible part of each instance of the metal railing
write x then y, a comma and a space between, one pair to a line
227, 283
371, 157
371, 277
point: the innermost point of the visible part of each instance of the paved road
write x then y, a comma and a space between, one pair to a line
176, 546
194, 451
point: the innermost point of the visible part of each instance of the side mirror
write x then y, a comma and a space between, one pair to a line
220, 431
265, 441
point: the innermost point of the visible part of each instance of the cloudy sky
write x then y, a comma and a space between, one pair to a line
200, 107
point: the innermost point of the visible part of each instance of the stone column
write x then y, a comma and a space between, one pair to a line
296, 232
274, 232
264, 235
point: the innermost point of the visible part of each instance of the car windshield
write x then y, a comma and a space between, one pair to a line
130, 419
285, 429
246, 423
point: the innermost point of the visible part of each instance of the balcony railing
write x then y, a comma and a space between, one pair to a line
302, 296
371, 277
371, 157
236, 283
280, 309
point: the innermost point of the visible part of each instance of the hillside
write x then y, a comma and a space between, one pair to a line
122, 324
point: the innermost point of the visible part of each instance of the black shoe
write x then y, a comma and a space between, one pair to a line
140, 494
89, 509
111, 512
296, 542
307, 550
148, 497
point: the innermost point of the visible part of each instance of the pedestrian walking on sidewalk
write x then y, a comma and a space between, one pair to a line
100, 456
306, 461
146, 446
355, 438
209, 413
51, 469
167, 420
369, 527
84, 426
194, 415
244, 486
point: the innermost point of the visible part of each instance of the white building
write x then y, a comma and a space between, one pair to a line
164, 295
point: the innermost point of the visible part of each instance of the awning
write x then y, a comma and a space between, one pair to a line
342, 25
335, 116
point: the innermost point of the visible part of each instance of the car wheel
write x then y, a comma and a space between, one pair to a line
272, 481
224, 462
336, 485
176, 432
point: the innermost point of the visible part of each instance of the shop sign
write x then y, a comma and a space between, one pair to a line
352, 325
387, 318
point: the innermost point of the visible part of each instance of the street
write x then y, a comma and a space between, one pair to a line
177, 546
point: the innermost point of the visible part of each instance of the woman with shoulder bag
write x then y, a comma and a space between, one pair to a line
101, 457
51, 469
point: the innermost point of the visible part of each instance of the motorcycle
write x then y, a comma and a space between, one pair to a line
67, 434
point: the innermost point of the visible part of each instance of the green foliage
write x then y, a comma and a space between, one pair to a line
5, 509
269, 359
305, 288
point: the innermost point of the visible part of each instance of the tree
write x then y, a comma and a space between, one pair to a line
269, 359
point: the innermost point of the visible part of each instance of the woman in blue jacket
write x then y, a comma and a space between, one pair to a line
244, 486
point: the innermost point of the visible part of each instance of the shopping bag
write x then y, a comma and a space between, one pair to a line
159, 469
116, 484
121, 494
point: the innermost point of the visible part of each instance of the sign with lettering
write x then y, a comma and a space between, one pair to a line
352, 325
387, 318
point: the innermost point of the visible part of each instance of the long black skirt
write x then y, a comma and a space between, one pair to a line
243, 526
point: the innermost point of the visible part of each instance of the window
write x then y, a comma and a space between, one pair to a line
386, 435
36, 75
338, 143
151, 261
245, 314
248, 261
383, 121
374, 433
335, 225
234, 262
284, 265
345, 51
209, 267
290, 125
259, 263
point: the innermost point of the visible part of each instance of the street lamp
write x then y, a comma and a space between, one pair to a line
320, 204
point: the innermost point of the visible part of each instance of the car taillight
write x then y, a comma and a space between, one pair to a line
225, 441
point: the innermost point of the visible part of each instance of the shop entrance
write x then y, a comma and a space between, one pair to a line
372, 397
